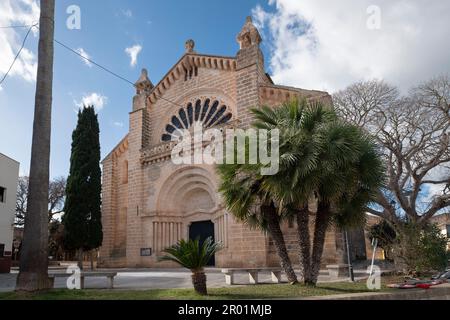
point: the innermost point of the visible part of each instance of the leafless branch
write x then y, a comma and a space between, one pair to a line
412, 133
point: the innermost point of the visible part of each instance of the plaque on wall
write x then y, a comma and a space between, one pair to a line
146, 252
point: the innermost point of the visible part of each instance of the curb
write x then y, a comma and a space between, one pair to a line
441, 292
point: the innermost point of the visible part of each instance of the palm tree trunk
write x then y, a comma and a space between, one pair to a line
33, 275
199, 282
304, 242
320, 229
273, 224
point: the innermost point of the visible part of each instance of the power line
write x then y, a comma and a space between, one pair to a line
15, 27
108, 70
90, 60
17, 55
81, 56
93, 62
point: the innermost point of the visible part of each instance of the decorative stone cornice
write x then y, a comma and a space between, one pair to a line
121, 148
118, 150
159, 153
277, 94
168, 216
184, 65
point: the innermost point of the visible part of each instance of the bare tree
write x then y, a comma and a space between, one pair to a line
21, 201
413, 135
360, 102
56, 197
33, 275
435, 94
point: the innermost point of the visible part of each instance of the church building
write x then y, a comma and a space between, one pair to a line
150, 203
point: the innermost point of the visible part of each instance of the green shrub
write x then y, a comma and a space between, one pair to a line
420, 249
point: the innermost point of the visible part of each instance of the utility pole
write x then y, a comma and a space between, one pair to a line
33, 275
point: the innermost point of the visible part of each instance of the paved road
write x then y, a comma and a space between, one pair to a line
144, 279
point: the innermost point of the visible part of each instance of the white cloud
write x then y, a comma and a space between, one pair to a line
320, 44
118, 124
260, 17
93, 99
127, 13
22, 12
133, 53
83, 53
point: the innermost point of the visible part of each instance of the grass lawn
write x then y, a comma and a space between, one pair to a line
236, 292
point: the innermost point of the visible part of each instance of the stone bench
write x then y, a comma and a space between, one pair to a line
336, 271
109, 275
252, 274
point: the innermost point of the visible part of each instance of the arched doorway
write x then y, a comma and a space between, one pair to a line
188, 197
202, 230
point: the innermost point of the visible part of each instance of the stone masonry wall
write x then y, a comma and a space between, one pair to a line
147, 209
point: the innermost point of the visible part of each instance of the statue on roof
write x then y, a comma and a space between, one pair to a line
189, 46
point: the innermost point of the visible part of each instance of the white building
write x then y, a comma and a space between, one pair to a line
443, 223
9, 177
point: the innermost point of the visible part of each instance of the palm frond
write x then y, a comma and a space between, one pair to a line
319, 154
190, 254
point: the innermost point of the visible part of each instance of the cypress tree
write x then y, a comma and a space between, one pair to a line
82, 212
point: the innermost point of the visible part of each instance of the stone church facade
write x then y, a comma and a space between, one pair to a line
149, 203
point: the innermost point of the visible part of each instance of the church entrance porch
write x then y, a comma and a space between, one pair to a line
202, 230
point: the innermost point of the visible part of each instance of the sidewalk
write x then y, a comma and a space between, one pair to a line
146, 279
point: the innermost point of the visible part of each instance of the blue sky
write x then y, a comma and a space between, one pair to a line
312, 44
107, 28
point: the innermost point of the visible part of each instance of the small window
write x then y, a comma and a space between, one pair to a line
2, 195
2, 250
125, 172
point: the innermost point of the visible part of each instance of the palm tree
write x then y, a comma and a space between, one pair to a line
351, 172
33, 273
241, 188
300, 144
193, 256
321, 158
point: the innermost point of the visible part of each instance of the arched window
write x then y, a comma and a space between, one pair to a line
209, 113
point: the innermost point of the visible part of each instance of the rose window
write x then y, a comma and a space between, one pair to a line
208, 113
